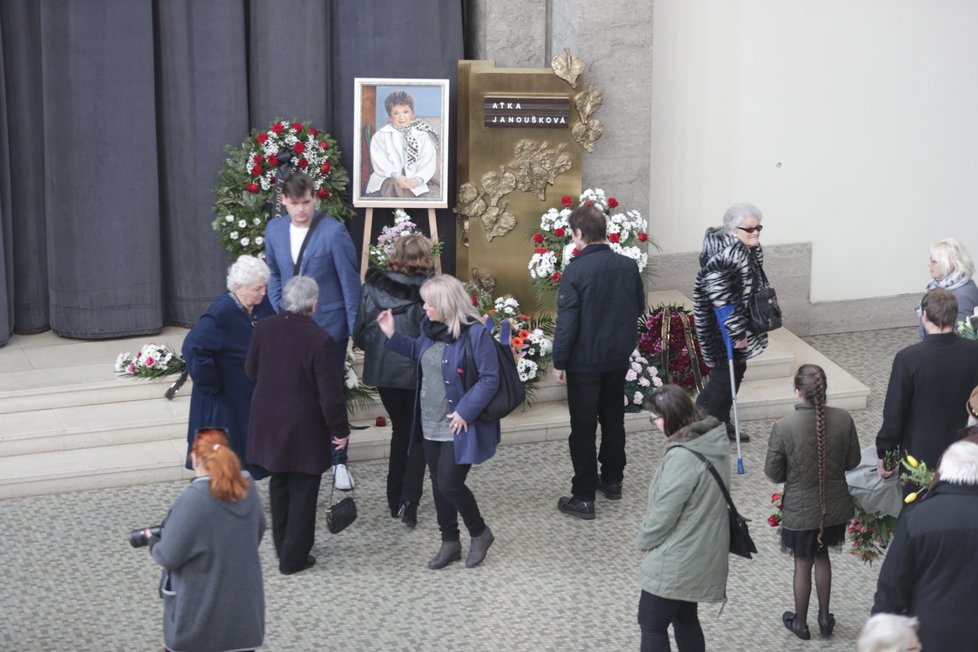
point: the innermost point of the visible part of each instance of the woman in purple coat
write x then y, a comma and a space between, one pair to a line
454, 437
214, 351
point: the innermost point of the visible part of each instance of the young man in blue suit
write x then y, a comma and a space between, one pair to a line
315, 245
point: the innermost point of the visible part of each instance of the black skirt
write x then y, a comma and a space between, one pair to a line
804, 543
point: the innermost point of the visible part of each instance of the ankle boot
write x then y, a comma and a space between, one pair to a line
450, 551
478, 548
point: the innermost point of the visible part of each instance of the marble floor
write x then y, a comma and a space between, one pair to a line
72, 582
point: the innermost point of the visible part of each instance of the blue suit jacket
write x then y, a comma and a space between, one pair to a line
330, 259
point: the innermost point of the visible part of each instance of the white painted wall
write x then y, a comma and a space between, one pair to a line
869, 106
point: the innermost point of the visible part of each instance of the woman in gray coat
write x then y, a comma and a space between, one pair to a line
686, 530
810, 451
212, 589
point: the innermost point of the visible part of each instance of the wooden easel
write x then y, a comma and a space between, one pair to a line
368, 223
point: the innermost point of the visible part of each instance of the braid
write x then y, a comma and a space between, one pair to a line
810, 381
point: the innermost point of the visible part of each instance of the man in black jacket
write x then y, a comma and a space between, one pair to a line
929, 382
601, 297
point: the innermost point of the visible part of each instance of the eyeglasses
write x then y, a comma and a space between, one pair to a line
751, 229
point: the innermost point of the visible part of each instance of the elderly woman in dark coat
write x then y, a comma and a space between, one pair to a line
730, 268
214, 351
810, 451
398, 289
930, 570
454, 437
297, 409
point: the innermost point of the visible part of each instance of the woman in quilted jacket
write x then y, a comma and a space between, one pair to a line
810, 451
730, 266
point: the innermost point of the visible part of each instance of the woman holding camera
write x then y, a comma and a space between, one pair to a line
212, 590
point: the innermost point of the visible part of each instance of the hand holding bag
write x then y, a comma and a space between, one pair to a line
740, 542
340, 515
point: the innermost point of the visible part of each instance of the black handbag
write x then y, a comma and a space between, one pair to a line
740, 542
340, 515
765, 313
510, 394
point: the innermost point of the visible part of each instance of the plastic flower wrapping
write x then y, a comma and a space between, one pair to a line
553, 246
246, 193
640, 379
403, 225
151, 361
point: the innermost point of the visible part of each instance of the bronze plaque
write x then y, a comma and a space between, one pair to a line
506, 173
525, 112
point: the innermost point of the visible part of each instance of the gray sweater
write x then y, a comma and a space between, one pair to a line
212, 590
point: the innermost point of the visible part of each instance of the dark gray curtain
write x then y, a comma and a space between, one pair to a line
114, 116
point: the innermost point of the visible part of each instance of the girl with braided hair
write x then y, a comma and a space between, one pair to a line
810, 451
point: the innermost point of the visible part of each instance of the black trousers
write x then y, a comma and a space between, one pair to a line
405, 469
293, 498
451, 495
594, 399
655, 614
717, 397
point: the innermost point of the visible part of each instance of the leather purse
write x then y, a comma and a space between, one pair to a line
765, 313
340, 515
740, 542
511, 392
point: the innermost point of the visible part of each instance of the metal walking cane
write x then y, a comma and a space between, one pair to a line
722, 314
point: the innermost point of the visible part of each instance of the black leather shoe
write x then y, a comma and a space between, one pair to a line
310, 562
450, 551
576, 507
611, 490
478, 548
408, 513
732, 434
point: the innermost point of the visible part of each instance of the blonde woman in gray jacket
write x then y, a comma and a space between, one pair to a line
810, 451
685, 531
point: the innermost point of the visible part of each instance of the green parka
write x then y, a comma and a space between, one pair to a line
686, 530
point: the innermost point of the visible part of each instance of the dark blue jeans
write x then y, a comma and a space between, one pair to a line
594, 399
655, 614
451, 495
339, 456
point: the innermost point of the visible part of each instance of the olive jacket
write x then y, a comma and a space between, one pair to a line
793, 460
686, 530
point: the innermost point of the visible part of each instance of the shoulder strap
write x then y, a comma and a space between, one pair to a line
758, 271
716, 476
305, 241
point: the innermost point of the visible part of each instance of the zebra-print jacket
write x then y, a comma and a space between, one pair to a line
725, 278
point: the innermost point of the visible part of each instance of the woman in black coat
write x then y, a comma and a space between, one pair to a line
396, 289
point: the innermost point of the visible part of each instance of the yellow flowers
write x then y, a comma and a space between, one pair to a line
912, 496
913, 461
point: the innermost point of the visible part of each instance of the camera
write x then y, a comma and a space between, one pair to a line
140, 537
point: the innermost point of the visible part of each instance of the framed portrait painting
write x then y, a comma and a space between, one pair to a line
400, 152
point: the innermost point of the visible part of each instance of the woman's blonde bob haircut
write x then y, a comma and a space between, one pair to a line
448, 297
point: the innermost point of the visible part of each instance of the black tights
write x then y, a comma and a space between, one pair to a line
803, 586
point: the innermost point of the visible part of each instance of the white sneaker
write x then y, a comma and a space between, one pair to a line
342, 479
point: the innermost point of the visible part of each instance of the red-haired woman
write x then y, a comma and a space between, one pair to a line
213, 596
810, 451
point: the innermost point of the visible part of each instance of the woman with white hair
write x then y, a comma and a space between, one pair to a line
454, 436
951, 268
889, 633
929, 570
730, 271
215, 350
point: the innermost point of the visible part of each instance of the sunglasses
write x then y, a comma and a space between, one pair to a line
751, 229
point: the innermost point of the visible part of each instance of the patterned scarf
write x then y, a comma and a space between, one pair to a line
409, 142
952, 281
